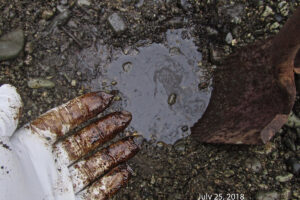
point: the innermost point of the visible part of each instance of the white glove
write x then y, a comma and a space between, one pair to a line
39, 162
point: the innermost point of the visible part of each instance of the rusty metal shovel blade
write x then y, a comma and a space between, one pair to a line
254, 91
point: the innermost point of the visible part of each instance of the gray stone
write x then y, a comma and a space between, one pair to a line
174, 51
271, 195
179, 146
64, 2
293, 121
117, 23
267, 12
47, 14
184, 128
294, 165
185, 5
284, 178
253, 164
40, 83
139, 4
29, 47
228, 173
61, 19
229, 38
11, 45
172, 99
274, 26
289, 143
235, 12
83, 2
127, 66
211, 31
286, 194
283, 8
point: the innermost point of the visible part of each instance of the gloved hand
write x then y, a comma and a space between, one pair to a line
39, 162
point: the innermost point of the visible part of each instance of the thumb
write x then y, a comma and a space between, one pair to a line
10, 109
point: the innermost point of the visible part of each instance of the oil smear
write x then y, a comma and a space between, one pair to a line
159, 85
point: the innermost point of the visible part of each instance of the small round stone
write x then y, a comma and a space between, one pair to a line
184, 128
229, 38
127, 66
47, 14
40, 83
73, 83
172, 99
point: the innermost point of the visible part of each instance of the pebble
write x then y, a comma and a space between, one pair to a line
174, 51
11, 44
127, 66
28, 60
286, 194
274, 26
269, 148
29, 47
117, 23
211, 31
253, 164
294, 165
265, 195
229, 38
117, 98
296, 194
172, 99
40, 83
283, 8
61, 19
72, 24
293, 121
289, 143
179, 146
235, 12
185, 5
83, 2
64, 2
284, 178
267, 12
139, 4
184, 128
228, 173
47, 14
152, 180
73, 83
160, 144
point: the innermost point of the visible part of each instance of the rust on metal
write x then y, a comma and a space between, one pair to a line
96, 134
67, 116
254, 91
297, 63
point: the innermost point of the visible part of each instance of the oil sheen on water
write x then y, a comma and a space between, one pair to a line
158, 83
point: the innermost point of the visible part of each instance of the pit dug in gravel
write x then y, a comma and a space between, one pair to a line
162, 85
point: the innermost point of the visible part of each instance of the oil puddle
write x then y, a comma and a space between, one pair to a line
162, 85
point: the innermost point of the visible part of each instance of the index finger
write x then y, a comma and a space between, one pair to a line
58, 121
